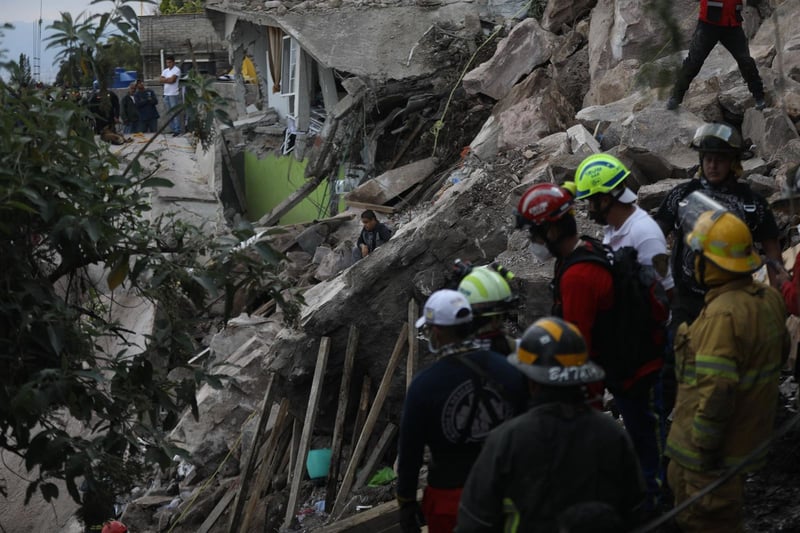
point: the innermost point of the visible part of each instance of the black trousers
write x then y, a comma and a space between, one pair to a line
705, 38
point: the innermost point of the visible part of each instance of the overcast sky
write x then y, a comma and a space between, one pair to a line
28, 10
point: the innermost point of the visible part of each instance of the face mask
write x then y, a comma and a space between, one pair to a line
541, 252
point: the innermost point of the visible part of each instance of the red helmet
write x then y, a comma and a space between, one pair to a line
114, 527
543, 203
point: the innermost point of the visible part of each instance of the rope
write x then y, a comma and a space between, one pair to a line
732, 471
439, 124
211, 478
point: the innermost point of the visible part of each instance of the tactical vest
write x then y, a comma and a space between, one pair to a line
721, 12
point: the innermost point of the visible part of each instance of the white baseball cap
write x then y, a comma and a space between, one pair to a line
445, 307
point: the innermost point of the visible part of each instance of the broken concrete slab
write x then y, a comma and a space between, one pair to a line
393, 183
650, 196
524, 49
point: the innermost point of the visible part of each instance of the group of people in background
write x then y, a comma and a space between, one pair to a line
517, 436
139, 109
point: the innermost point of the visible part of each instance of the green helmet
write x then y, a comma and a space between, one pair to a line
487, 291
600, 173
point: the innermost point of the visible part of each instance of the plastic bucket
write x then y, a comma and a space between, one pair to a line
318, 463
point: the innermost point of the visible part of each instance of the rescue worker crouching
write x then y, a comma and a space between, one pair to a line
728, 364
450, 407
559, 454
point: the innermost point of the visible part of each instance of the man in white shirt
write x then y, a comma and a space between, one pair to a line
170, 77
600, 180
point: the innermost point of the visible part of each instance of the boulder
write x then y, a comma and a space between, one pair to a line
581, 141
646, 166
560, 13
337, 260
571, 71
525, 48
662, 132
769, 130
612, 112
650, 196
613, 84
534, 109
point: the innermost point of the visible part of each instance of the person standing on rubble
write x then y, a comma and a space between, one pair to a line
720, 147
488, 291
450, 407
728, 369
719, 21
561, 453
373, 234
600, 180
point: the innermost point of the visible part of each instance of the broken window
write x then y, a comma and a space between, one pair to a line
289, 72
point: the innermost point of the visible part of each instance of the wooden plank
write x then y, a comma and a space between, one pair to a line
341, 411
223, 504
308, 428
377, 452
292, 200
252, 455
264, 473
372, 418
411, 360
264, 308
363, 408
293, 449
234, 176
375, 207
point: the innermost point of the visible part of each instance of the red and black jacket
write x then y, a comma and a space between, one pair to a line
722, 12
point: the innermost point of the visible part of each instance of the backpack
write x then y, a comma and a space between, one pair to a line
632, 337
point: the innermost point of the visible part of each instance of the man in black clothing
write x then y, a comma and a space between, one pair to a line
720, 147
373, 234
450, 407
130, 112
104, 106
560, 453
146, 101
720, 21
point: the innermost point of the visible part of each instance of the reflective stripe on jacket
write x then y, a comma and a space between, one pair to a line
727, 365
721, 12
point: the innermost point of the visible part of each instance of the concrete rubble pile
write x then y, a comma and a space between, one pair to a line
561, 89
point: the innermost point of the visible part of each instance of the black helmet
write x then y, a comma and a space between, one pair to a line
719, 138
552, 352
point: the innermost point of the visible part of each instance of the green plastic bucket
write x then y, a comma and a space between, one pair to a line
318, 463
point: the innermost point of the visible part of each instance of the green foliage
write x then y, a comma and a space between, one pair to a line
21, 76
178, 7
67, 203
536, 9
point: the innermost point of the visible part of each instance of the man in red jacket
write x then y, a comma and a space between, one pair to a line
720, 21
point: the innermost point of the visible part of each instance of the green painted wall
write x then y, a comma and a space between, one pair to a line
271, 180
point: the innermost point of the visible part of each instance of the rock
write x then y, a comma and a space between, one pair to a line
484, 145
559, 13
572, 74
650, 196
613, 84
769, 130
646, 167
525, 48
534, 109
666, 133
616, 111
582, 142
337, 260
272, 4
312, 237
763, 185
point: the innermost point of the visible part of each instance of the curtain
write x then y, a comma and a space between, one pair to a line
275, 41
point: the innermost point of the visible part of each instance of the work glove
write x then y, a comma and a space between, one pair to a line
411, 517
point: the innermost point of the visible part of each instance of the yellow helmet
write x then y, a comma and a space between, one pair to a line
724, 240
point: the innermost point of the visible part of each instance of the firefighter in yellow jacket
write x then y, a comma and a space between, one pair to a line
727, 366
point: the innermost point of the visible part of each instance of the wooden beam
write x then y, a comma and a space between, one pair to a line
411, 360
285, 206
377, 452
381, 518
293, 449
223, 504
252, 453
385, 209
341, 412
265, 472
372, 418
234, 177
363, 407
308, 428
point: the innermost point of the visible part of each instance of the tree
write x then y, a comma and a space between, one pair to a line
66, 203
21, 77
177, 7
